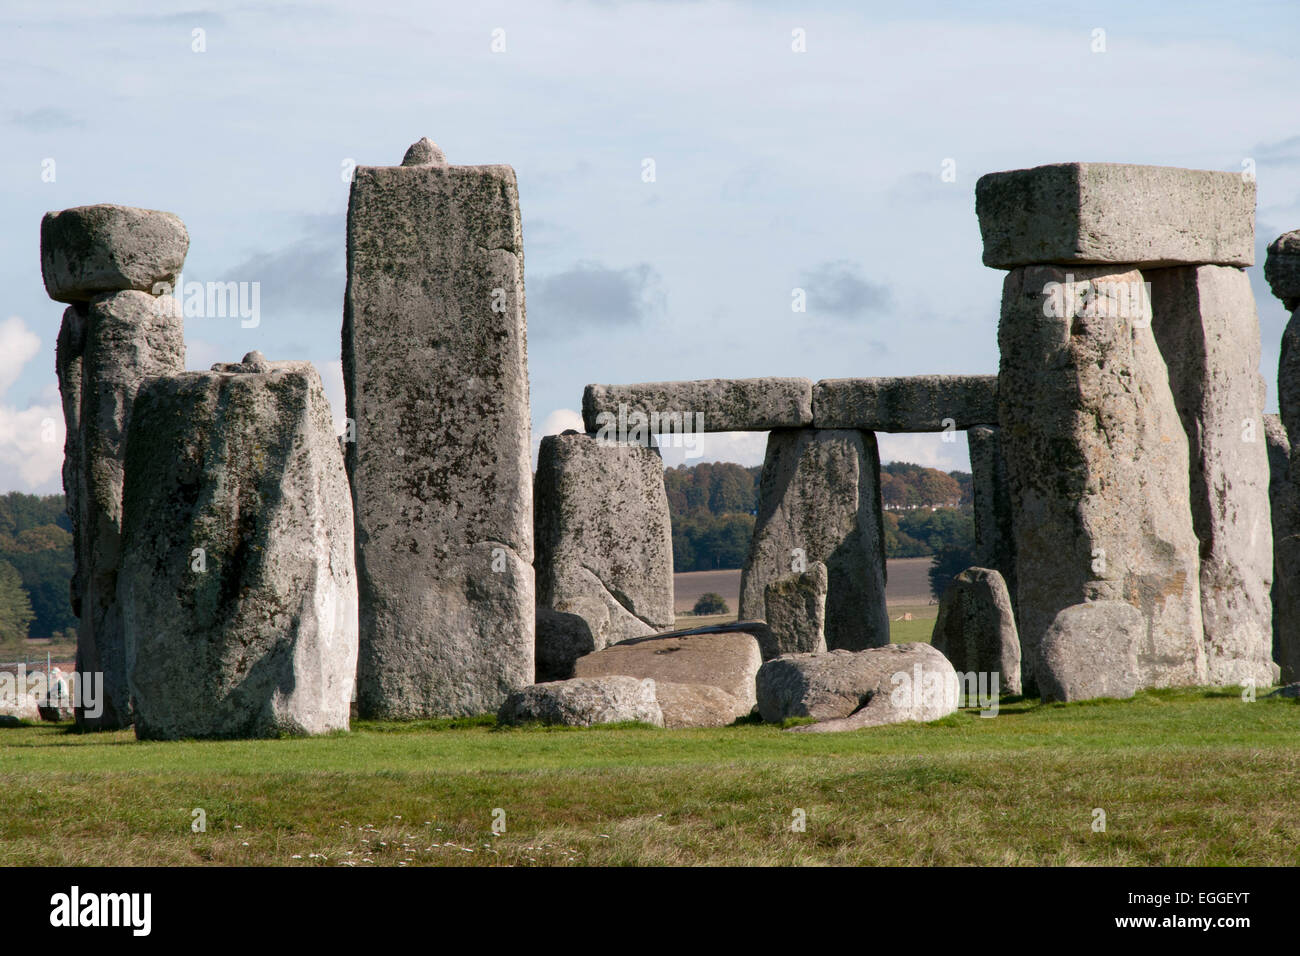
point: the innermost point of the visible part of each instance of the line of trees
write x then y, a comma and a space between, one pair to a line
36, 563
928, 513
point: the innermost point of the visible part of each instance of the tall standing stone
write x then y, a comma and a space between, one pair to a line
68, 354
130, 337
106, 261
819, 500
436, 374
1097, 464
238, 591
604, 546
1208, 333
995, 545
1284, 506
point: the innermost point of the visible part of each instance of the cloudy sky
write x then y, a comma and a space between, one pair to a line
774, 169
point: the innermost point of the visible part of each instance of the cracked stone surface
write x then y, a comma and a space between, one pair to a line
436, 377
604, 547
819, 500
237, 590
1097, 465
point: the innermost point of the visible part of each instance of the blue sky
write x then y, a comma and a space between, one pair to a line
774, 169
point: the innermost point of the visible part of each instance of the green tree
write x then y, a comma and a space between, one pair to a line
15, 609
711, 602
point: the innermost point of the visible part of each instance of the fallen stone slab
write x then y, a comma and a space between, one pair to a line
436, 376
1282, 269
1208, 333
819, 500
129, 338
727, 661
1091, 650
915, 403
604, 546
708, 405
237, 587
1102, 213
837, 684
976, 630
795, 608
88, 251
584, 702
849, 690
1097, 464
697, 705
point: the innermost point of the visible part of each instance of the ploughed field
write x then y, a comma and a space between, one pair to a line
1184, 777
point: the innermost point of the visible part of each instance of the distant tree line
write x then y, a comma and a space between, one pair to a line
713, 506
35, 568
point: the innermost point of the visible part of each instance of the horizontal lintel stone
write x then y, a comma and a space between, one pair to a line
915, 403
725, 404
1100, 213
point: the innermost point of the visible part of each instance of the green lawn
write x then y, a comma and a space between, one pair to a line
1185, 777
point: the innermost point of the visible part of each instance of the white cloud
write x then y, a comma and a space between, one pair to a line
562, 419
927, 449
743, 448
31, 439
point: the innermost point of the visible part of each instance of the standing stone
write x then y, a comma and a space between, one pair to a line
995, 544
129, 337
795, 609
1282, 269
1091, 650
1283, 506
1097, 465
604, 546
819, 500
436, 373
1208, 333
976, 630
238, 590
69, 352
1288, 375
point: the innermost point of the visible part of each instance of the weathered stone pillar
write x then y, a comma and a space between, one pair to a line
436, 373
604, 546
109, 262
1283, 505
1282, 269
1096, 451
1208, 332
819, 500
237, 588
995, 545
1097, 465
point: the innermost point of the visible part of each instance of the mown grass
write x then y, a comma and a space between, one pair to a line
919, 628
1185, 777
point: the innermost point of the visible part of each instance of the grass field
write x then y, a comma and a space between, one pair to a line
1184, 777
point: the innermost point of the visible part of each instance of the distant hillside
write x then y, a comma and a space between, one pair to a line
927, 512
